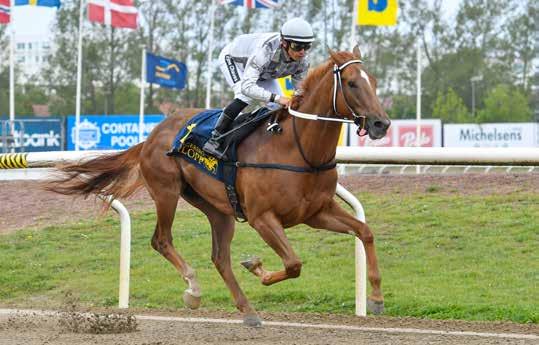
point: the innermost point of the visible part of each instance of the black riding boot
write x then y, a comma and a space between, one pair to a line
214, 145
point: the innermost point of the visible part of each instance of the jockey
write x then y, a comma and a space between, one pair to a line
251, 63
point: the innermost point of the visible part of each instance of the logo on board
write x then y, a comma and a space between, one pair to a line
89, 134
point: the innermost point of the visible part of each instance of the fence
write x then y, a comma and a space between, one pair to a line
349, 155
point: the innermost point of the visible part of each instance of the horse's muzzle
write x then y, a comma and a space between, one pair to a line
377, 128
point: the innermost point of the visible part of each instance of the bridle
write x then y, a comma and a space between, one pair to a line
359, 120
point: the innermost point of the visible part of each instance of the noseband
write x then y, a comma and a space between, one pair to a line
359, 120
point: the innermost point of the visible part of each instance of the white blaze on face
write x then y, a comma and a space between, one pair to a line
366, 77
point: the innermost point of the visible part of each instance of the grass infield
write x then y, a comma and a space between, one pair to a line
441, 255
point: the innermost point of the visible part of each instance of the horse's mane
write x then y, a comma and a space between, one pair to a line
314, 76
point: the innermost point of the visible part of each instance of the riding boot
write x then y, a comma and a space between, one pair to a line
214, 145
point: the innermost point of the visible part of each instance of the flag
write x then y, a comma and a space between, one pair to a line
252, 3
377, 12
4, 11
48, 3
287, 88
165, 72
118, 13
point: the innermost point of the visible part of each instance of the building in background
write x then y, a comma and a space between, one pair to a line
31, 53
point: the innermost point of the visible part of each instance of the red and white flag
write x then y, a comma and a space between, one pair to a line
118, 13
4, 11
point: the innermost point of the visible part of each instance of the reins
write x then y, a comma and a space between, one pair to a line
359, 120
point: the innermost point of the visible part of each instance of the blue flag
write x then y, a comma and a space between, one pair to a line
48, 3
165, 72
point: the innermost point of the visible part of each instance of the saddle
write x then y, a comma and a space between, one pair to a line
202, 125
190, 140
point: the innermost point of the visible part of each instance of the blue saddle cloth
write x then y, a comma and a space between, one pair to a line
192, 137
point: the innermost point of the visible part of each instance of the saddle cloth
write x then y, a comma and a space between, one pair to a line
192, 137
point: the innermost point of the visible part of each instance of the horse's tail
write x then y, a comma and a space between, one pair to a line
116, 174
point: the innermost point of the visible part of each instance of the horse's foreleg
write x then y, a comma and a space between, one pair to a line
335, 218
223, 227
162, 242
272, 232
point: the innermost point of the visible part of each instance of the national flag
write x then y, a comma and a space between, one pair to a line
252, 3
118, 13
165, 72
377, 12
4, 11
48, 3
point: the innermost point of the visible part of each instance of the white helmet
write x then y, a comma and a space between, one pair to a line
298, 30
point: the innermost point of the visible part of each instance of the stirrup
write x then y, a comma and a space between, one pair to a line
274, 128
212, 147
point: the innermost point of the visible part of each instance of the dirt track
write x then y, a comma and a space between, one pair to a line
33, 330
23, 205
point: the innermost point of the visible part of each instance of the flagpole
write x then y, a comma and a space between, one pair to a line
418, 101
210, 51
79, 78
12, 70
354, 20
142, 86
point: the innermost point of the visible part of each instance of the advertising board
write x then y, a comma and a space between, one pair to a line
491, 135
34, 135
115, 132
403, 133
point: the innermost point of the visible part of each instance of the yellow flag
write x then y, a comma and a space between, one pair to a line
377, 12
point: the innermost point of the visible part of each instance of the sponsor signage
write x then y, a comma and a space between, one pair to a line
491, 135
403, 133
115, 132
35, 135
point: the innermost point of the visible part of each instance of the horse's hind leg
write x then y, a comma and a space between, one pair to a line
272, 232
166, 201
335, 218
223, 227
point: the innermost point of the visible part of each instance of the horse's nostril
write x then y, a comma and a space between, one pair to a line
380, 125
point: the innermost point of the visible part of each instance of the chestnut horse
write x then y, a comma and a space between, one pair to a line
272, 199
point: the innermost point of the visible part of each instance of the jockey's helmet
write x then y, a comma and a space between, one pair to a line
297, 30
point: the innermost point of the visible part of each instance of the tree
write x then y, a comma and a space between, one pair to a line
504, 104
519, 48
450, 108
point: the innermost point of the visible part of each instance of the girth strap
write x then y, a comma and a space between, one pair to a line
293, 168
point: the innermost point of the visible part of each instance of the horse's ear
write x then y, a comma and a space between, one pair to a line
356, 52
333, 55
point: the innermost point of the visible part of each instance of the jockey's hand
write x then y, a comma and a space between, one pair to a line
284, 101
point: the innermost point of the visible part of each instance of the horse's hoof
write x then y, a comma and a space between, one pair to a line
252, 263
375, 307
252, 320
191, 300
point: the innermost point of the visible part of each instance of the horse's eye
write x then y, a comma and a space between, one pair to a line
352, 84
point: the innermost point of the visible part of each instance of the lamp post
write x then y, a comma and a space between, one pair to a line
473, 80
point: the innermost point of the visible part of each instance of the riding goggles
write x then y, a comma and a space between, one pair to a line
299, 46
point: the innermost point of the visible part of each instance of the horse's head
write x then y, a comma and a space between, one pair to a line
358, 100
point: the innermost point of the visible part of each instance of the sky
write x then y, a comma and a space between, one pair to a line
36, 21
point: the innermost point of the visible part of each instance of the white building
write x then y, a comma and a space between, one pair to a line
31, 52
